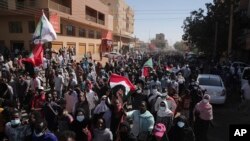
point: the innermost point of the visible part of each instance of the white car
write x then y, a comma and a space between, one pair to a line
245, 76
237, 65
112, 55
214, 87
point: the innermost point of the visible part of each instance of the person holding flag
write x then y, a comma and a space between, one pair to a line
44, 33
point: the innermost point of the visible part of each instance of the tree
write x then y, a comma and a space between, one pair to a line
199, 28
181, 46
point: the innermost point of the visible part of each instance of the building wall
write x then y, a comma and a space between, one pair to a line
25, 36
122, 15
76, 18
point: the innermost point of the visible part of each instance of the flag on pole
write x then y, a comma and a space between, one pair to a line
116, 79
146, 67
149, 63
36, 56
44, 31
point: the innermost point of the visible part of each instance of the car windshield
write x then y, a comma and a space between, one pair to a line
210, 81
246, 74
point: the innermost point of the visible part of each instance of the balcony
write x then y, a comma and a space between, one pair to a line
100, 22
59, 7
91, 18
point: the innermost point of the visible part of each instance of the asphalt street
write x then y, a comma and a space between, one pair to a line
227, 114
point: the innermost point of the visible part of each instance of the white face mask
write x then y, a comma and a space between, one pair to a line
205, 101
15, 122
162, 108
180, 124
154, 90
139, 91
146, 92
80, 118
39, 134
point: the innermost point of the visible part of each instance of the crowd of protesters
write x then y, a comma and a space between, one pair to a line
73, 101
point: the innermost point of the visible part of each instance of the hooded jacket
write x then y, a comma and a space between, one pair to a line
141, 122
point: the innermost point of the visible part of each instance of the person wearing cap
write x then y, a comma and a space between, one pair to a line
203, 116
164, 115
159, 133
38, 101
181, 131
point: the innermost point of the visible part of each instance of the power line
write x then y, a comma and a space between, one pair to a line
27, 8
34, 11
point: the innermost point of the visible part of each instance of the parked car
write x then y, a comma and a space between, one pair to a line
213, 86
245, 76
112, 55
237, 65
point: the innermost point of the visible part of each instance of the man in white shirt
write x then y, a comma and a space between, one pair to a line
59, 81
35, 83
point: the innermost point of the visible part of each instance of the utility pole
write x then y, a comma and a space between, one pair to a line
135, 41
215, 39
120, 40
229, 51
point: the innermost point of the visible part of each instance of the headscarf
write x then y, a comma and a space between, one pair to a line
101, 107
165, 113
205, 108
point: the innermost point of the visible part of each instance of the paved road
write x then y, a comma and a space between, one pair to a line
227, 114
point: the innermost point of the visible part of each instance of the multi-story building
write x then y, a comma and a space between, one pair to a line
123, 22
78, 23
160, 41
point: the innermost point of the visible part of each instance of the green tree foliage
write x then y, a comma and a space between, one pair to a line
199, 28
181, 46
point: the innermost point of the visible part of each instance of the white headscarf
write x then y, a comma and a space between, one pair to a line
165, 113
101, 107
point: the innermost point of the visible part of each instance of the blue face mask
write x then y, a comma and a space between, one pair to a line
80, 118
162, 108
180, 124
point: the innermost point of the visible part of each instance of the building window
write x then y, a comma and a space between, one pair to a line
98, 35
31, 26
15, 27
82, 32
91, 34
3, 4
70, 30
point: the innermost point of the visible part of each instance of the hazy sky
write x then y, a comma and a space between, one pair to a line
162, 16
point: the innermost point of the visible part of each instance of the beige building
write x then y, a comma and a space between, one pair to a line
123, 22
160, 41
78, 23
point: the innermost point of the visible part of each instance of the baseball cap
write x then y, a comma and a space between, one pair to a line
159, 130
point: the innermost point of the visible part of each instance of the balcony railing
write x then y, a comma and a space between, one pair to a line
90, 18
94, 19
59, 7
28, 4
101, 22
